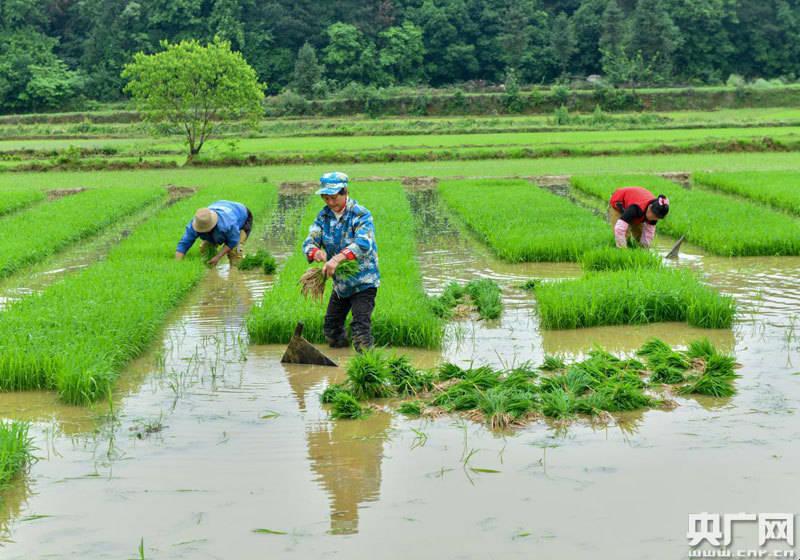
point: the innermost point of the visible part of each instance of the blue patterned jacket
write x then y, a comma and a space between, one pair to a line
354, 235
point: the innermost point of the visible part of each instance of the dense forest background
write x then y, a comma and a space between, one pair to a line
54, 53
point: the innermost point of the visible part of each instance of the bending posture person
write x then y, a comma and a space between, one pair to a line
635, 211
343, 230
223, 223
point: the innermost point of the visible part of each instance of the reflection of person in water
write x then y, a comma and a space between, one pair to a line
346, 456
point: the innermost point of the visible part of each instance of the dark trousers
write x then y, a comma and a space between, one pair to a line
361, 304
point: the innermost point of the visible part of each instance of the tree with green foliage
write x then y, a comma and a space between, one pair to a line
402, 53
194, 87
562, 42
350, 56
307, 70
655, 36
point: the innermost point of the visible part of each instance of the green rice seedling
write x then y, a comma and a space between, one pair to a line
411, 408
407, 379
368, 375
346, 406
402, 316
52, 226
558, 403
619, 395
16, 199
663, 373
653, 346
485, 295
522, 223
261, 259
709, 384
705, 217
650, 296
552, 363
461, 396
207, 252
452, 295
776, 188
701, 348
483, 377
503, 405
331, 391
16, 449
347, 269
529, 284
449, 370
720, 365
77, 335
611, 258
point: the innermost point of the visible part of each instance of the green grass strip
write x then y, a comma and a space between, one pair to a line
721, 224
45, 229
779, 189
402, 315
524, 223
76, 336
16, 449
16, 199
632, 297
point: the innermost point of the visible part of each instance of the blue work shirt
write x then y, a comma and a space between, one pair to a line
354, 231
231, 217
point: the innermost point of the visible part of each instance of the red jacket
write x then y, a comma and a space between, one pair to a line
627, 196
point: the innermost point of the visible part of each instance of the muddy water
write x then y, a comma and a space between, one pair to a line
210, 439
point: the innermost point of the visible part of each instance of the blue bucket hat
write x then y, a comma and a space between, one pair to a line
332, 183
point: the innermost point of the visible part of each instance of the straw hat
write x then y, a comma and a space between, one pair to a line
204, 220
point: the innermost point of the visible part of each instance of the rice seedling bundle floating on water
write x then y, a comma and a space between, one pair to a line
631, 297
76, 336
260, 259
52, 226
402, 315
706, 218
524, 223
484, 295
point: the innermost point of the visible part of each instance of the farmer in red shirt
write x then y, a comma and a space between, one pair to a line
635, 211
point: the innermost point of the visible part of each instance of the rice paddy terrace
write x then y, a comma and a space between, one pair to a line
533, 378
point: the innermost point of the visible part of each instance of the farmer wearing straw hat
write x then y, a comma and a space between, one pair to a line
635, 211
223, 223
343, 230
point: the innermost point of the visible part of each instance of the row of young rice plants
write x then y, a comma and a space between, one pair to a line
16, 199
709, 219
16, 449
524, 223
402, 315
76, 336
780, 189
47, 228
630, 297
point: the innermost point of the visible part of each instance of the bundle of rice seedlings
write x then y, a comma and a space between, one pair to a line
483, 377
347, 269
663, 373
261, 259
720, 365
486, 297
368, 375
312, 283
503, 405
346, 406
407, 379
411, 408
331, 391
709, 384
528, 284
207, 252
461, 396
653, 346
620, 395
558, 403
449, 370
701, 348
552, 363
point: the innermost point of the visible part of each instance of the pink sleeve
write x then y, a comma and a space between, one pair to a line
620, 231
648, 233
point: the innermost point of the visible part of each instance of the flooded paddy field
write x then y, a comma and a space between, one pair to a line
211, 448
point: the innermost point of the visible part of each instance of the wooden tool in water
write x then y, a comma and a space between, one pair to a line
673, 253
301, 351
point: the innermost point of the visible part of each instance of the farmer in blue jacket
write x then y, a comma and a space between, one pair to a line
223, 223
344, 230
